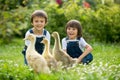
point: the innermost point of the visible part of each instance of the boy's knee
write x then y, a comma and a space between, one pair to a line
87, 59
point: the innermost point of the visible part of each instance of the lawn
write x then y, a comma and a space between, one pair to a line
105, 66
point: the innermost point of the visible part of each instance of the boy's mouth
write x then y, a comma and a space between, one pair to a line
71, 34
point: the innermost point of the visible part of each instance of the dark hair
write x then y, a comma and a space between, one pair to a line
75, 24
39, 13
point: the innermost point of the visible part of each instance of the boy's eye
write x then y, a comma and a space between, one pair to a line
41, 21
71, 28
36, 21
74, 29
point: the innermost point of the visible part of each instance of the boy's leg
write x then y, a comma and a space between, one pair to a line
25, 61
24, 54
87, 59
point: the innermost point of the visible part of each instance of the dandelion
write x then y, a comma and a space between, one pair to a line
30, 69
1, 61
16, 65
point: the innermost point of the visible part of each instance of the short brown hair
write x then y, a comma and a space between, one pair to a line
75, 24
39, 13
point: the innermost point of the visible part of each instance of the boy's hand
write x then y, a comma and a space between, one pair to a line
78, 60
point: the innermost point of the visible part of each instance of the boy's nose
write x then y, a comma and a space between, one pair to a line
71, 30
39, 22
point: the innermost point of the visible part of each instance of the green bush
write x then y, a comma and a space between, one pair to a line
104, 65
105, 23
100, 23
56, 19
10, 70
13, 22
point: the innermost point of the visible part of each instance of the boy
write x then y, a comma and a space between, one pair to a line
38, 21
75, 45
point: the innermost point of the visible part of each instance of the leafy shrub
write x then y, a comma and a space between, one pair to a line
10, 70
56, 19
105, 65
13, 22
100, 23
105, 23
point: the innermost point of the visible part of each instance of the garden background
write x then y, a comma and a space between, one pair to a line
101, 29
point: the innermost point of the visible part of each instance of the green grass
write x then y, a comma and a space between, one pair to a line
12, 51
105, 66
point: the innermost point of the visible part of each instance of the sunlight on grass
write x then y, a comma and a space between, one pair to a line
105, 66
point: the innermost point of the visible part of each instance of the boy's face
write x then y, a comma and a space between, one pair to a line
38, 22
72, 32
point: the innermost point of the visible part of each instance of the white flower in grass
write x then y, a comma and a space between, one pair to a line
93, 67
82, 78
10, 62
74, 65
106, 65
16, 65
101, 64
1, 61
68, 68
30, 69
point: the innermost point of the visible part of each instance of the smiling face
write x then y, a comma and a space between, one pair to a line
38, 23
73, 29
72, 32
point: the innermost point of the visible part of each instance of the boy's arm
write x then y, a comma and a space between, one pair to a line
88, 49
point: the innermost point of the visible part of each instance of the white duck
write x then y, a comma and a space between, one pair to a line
34, 59
51, 61
59, 54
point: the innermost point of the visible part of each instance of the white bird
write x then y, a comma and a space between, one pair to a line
58, 52
34, 59
51, 61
